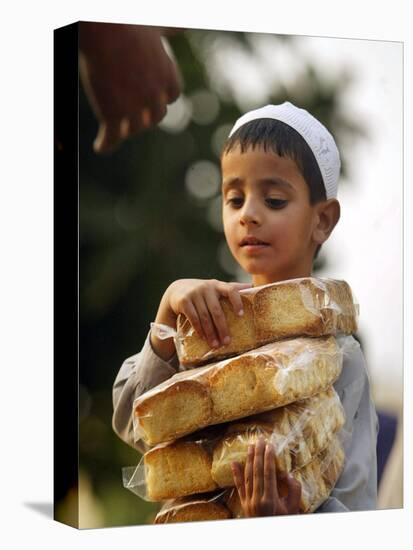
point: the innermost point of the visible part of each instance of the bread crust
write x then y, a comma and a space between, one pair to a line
178, 469
170, 405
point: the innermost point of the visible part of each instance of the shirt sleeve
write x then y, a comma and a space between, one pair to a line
356, 488
138, 374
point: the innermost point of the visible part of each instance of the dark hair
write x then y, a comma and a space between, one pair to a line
274, 135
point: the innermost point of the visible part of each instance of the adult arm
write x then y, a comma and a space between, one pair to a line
128, 79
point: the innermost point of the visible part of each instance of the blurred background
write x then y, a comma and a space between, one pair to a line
150, 213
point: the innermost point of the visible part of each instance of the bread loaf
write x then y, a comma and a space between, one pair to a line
308, 306
178, 469
254, 382
202, 462
198, 508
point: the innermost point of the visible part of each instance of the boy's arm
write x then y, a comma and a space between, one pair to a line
356, 488
157, 360
138, 374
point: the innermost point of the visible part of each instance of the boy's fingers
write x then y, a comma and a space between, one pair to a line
231, 290
259, 467
248, 472
294, 494
191, 313
236, 302
206, 321
217, 315
241, 286
270, 475
238, 475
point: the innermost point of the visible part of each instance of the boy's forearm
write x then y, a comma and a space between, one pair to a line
138, 374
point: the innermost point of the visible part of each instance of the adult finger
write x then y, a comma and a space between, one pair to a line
259, 468
139, 120
248, 472
238, 475
108, 137
158, 111
173, 88
294, 494
146, 117
217, 315
206, 321
153, 112
125, 127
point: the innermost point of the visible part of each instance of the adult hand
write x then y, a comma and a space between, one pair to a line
262, 490
128, 78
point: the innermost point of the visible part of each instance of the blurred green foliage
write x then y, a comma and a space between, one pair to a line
141, 228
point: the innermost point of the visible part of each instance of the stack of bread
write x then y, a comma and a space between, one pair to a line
275, 380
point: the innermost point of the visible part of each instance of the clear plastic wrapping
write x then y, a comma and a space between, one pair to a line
202, 462
256, 381
317, 480
298, 432
297, 307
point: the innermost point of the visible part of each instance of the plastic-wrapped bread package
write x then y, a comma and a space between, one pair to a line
317, 480
202, 461
298, 432
298, 307
256, 381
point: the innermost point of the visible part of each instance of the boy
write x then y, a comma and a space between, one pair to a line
280, 170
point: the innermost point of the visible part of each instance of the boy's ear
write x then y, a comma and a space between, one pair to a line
327, 215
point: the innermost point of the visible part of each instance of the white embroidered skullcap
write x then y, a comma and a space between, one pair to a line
318, 138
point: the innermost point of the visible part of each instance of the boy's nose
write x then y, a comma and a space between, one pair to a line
249, 220
249, 216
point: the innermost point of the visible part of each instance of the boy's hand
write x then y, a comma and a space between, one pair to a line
262, 490
198, 300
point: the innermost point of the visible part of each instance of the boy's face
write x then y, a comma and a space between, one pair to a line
266, 198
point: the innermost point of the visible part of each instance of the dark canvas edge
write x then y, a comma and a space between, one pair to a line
65, 275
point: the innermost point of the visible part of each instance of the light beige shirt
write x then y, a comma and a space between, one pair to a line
356, 488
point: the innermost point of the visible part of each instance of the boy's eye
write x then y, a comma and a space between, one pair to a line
272, 203
235, 201
276, 203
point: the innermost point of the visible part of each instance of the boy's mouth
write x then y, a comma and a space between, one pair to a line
252, 241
